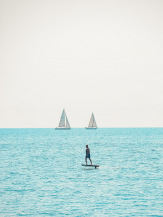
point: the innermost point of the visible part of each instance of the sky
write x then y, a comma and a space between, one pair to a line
100, 56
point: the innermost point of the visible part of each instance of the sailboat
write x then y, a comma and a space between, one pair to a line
64, 123
92, 123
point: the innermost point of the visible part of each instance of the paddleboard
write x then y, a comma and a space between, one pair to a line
88, 165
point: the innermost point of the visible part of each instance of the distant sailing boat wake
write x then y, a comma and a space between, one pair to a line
64, 123
92, 123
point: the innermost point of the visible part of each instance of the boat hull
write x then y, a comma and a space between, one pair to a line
91, 128
62, 128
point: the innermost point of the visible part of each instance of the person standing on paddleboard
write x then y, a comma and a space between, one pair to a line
87, 155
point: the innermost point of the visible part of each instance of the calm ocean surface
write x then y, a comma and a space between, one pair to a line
41, 172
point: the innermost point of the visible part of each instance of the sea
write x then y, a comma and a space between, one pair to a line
41, 172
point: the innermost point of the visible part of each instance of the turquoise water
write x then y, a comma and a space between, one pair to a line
41, 172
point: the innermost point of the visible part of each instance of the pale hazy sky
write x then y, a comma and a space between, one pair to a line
104, 56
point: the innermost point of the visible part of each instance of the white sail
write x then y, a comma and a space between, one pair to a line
64, 123
67, 123
62, 120
92, 123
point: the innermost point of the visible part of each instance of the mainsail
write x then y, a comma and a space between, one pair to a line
67, 123
62, 120
92, 122
64, 123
